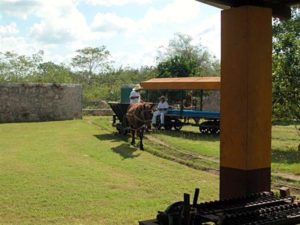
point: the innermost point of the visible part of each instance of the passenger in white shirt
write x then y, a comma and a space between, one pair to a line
135, 96
162, 109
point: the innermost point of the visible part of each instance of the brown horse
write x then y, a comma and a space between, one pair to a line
139, 117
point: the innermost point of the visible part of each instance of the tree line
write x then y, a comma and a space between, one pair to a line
93, 68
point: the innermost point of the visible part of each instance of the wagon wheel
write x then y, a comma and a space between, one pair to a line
158, 124
168, 123
177, 125
214, 130
203, 130
119, 128
124, 131
168, 126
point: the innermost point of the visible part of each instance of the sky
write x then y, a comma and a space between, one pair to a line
132, 30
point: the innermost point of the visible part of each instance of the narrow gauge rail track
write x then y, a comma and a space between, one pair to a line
184, 156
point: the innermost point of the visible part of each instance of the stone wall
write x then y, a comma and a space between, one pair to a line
39, 102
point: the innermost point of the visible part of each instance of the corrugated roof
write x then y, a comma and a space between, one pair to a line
183, 83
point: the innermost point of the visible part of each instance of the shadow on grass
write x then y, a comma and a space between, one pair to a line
285, 156
126, 151
112, 137
189, 135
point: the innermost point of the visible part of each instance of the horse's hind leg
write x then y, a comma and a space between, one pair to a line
133, 137
141, 134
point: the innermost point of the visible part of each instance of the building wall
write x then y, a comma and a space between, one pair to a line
39, 102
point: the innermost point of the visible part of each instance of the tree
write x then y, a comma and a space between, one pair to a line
50, 72
15, 68
92, 60
181, 59
286, 68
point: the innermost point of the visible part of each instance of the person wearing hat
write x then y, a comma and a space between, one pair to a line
162, 109
135, 96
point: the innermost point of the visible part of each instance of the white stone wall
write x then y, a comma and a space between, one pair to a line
39, 102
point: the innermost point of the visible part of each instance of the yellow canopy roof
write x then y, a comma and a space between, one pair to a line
182, 83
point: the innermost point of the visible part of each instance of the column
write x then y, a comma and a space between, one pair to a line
246, 101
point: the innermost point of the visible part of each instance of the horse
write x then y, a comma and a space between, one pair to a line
139, 117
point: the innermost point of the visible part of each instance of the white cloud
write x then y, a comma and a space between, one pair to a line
176, 12
111, 22
145, 37
61, 22
12, 41
9, 30
209, 33
115, 2
17, 44
60, 28
19, 8
134, 59
48, 33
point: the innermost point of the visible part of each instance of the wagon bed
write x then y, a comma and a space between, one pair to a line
193, 114
211, 125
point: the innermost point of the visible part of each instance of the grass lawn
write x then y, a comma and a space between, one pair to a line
285, 155
75, 172
285, 140
187, 146
202, 151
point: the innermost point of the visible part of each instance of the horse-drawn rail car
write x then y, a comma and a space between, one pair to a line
132, 118
173, 118
211, 125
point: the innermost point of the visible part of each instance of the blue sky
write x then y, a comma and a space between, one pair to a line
132, 30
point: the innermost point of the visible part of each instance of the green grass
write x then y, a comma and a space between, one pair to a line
189, 140
202, 151
187, 147
285, 155
199, 151
74, 172
80, 172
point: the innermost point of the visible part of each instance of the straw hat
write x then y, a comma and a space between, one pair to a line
137, 87
162, 97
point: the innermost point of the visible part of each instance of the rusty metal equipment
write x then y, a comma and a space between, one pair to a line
264, 208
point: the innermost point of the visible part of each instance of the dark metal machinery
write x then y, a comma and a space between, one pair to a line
263, 208
120, 110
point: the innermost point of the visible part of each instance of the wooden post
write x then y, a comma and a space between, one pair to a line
246, 100
201, 100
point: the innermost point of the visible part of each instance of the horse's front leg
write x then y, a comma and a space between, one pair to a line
141, 134
132, 136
